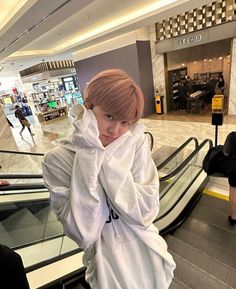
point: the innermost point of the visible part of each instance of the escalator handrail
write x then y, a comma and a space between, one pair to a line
16, 187
21, 153
192, 155
21, 176
177, 151
187, 160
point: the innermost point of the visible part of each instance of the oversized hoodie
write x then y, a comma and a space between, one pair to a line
107, 199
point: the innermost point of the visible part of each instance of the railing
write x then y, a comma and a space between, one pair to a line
177, 151
187, 160
190, 171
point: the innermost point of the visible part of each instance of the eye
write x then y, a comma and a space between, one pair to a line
125, 123
108, 116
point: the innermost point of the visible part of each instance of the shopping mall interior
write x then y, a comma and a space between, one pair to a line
178, 52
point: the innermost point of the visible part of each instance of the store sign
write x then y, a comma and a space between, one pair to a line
190, 40
217, 102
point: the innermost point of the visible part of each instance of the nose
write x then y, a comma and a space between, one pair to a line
114, 128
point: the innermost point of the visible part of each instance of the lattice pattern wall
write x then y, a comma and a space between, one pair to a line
218, 12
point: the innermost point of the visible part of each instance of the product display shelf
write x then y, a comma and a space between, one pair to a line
52, 114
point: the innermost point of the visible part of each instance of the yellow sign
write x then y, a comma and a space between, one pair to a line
217, 102
7, 100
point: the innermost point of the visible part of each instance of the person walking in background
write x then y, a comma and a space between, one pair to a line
24, 122
104, 188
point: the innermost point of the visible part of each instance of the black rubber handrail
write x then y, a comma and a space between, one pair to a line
187, 160
192, 155
17, 187
21, 153
151, 138
166, 161
21, 176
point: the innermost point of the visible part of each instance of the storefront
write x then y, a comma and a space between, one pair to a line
191, 52
55, 88
193, 76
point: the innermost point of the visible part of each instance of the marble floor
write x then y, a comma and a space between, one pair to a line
168, 130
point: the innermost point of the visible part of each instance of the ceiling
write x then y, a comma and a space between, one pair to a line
36, 30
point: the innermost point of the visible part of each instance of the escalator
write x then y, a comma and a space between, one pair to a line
181, 181
203, 248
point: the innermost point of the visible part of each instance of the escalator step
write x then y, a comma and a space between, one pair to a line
194, 277
215, 203
213, 217
206, 246
207, 263
176, 284
222, 238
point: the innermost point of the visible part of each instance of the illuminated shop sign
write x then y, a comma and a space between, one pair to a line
190, 40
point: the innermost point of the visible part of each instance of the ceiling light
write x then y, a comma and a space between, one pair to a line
205, 59
89, 17
220, 57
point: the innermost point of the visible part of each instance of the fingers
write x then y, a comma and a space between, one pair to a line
4, 183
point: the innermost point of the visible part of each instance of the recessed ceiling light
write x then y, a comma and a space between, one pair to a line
89, 17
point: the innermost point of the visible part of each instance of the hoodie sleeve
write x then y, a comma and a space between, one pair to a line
130, 180
76, 196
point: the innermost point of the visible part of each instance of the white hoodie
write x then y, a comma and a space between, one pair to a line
107, 198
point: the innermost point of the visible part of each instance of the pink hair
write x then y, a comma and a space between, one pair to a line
116, 93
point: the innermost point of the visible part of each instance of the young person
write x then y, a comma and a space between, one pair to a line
104, 188
24, 122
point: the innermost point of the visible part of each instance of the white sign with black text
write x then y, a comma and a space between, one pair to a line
190, 40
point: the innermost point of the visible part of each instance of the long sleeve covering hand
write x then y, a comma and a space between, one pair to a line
71, 174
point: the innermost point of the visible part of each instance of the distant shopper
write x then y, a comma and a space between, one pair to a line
189, 84
24, 122
221, 83
104, 188
12, 270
